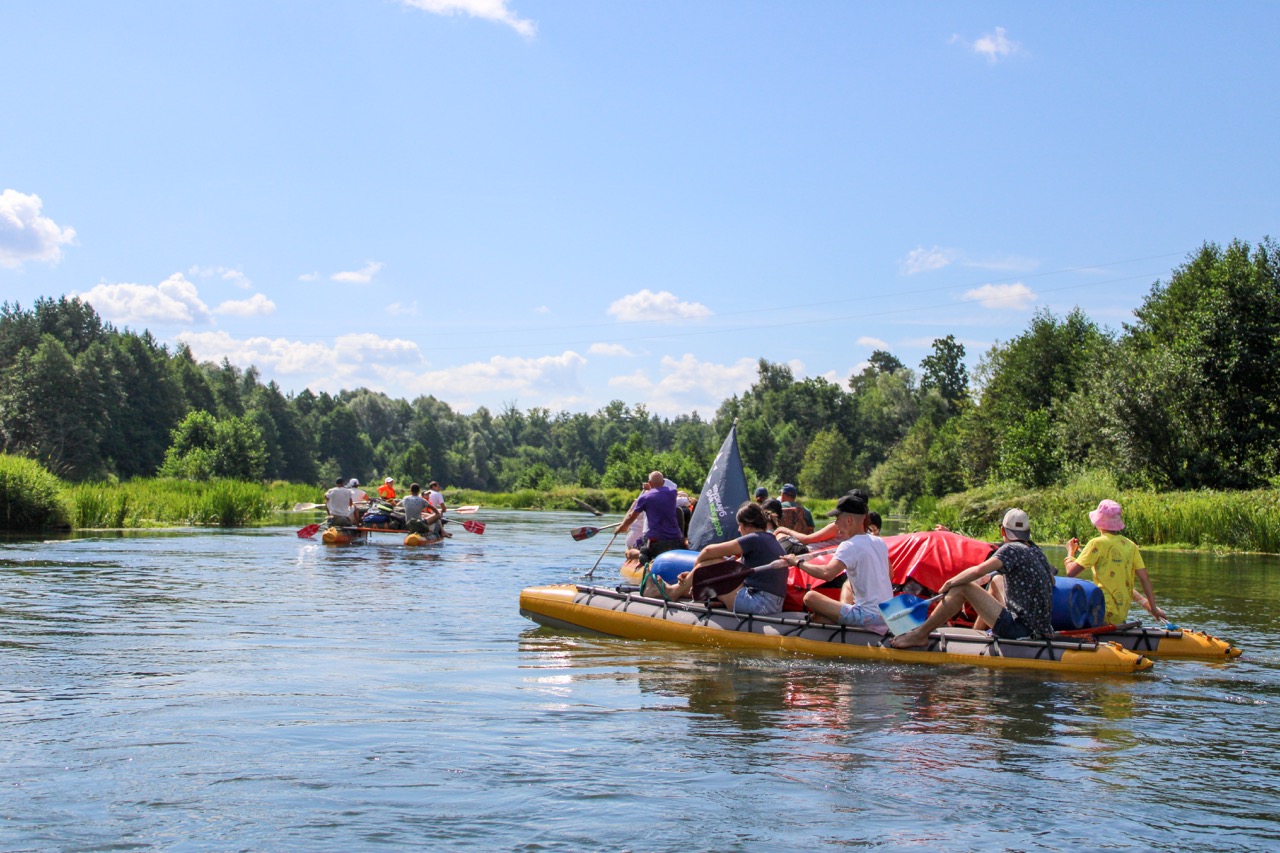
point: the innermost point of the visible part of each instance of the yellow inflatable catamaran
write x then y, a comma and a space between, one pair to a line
630, 615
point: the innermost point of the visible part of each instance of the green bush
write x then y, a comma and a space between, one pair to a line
30, 497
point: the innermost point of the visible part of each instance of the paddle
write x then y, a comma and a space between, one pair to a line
308, 531
306, 507
602, 553
464, 509
469, 525
581, 533
906, 612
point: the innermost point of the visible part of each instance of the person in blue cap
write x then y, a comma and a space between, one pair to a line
761, 494
795, 515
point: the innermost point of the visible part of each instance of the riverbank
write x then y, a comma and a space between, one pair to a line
158, 502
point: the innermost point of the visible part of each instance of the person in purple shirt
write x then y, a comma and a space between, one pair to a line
662, 525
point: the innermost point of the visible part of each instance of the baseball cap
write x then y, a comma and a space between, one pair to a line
788, 489
389, 480
762, 492
1017, 524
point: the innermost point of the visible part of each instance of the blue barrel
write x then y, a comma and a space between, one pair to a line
1077, 603
1070, 604
669, 564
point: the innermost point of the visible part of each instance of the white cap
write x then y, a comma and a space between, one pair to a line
1017, 524
354, 482
389, 480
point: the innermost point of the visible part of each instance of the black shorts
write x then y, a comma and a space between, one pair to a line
1010, 627
653, 547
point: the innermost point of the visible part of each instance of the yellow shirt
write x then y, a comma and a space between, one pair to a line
1114, 560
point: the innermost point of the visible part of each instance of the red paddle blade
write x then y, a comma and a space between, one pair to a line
309, 531
473, 526
580, 533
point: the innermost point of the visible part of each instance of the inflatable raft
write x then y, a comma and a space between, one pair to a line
620, 613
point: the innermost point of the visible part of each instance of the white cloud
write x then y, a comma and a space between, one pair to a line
656, 307
235, 276
542, 309
920, 260
360, 276
1008, 263
255, 306
309, 276
548, 374
174, 300
339, 361
396, 309
1015, 296
993, 46
874, 343
25, 235
491, 10
609, 349
688, 383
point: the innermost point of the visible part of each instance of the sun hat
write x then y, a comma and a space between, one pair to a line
353, 484
788, 489
762, 492
1107, 516
849, 504
1017, 524
389, 480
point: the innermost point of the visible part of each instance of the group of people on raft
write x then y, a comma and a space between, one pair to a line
1011, 591
417, 512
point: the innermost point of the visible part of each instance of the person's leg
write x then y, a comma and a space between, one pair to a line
948, 607
826, 608
997, 590
987, 605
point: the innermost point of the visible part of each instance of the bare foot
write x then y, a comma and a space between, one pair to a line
908, 640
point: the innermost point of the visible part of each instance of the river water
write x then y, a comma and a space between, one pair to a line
200, 690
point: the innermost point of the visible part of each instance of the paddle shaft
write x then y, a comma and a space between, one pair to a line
591, 573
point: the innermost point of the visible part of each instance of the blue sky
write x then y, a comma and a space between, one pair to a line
560, 204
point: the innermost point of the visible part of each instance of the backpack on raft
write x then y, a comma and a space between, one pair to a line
793, 518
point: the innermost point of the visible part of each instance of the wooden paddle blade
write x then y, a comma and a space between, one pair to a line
588, 507
473, 526
580, 533
715, 579
309, 531
904, 613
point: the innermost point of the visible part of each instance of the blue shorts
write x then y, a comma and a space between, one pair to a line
756, 602
863, 616
1009, 627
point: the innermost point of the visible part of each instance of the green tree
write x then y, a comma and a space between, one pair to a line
944, 370
827, 470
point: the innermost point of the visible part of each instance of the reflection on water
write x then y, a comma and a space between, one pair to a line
220, 690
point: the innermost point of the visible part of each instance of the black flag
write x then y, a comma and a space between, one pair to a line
724, 490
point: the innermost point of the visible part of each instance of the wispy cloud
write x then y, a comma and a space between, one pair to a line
920, 259
309, 276
491, 10
994, 47
398, 309
25, 235
255, 306
1015, 296
609, 349
1009, 263
360, 276
341, 359
688, 383
663, 306
874, 343
174, 300
235, 276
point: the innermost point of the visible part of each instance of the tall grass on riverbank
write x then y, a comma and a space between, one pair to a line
161, 502
561, 497
30, 497
1203, 520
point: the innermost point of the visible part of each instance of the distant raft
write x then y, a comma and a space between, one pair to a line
620, 613
360, 535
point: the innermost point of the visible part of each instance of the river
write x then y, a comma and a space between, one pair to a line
248, 690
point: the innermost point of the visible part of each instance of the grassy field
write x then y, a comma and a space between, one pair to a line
160, 502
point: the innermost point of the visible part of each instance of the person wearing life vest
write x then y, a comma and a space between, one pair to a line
387, 491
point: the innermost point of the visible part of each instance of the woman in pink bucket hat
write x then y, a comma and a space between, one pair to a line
1115, 563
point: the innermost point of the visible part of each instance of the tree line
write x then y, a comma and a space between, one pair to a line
1184, 397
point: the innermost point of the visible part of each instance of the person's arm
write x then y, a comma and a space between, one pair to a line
1073, 568
1149, 604
973, 573
629, 520
718, 551
832, 569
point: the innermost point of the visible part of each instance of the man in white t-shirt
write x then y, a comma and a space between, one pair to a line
339, 504
865, 560
436, 499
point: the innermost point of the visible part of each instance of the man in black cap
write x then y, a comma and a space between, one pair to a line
1028, 602
865, 561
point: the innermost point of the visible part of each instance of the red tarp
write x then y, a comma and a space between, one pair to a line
932, 556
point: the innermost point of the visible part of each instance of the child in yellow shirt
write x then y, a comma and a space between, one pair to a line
1115, 563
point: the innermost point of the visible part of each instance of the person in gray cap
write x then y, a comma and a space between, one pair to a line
1028, 589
